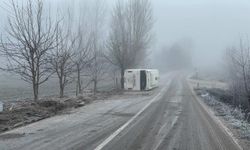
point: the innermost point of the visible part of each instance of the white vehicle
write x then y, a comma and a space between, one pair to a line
141, 79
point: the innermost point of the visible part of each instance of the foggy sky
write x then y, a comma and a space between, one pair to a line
212, 25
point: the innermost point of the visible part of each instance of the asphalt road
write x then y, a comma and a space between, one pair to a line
171, 119
177, 121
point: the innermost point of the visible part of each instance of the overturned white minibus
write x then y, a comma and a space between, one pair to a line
141, 79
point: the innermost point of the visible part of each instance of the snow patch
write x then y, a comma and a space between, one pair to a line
234, 116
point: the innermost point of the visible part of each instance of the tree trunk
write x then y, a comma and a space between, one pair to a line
79, 87
61, 87
246, 86
61, 92
95, 86
122, 78
76, 88
248, 100
35, 91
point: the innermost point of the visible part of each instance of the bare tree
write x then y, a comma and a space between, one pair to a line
61, 59
89, 43
31, 37
82, 56
238, 60
98, 69
130, 35
98, 65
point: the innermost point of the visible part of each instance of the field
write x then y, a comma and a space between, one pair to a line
13, 88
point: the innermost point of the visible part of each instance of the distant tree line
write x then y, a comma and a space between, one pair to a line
176, 56
38, 45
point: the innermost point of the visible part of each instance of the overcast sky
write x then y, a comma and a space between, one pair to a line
212, 25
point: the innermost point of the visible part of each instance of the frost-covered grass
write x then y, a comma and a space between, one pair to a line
234, 116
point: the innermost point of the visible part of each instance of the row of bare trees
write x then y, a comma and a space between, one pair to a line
37, 46
238, 66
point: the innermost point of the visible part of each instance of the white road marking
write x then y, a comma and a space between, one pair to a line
218, 121
172, 124
118, 131
174, 100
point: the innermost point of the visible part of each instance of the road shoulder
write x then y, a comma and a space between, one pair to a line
227, 128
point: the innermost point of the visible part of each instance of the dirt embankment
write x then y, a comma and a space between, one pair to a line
20, 113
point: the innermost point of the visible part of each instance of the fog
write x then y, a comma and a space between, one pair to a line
203, 28
124, 74
212, 25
